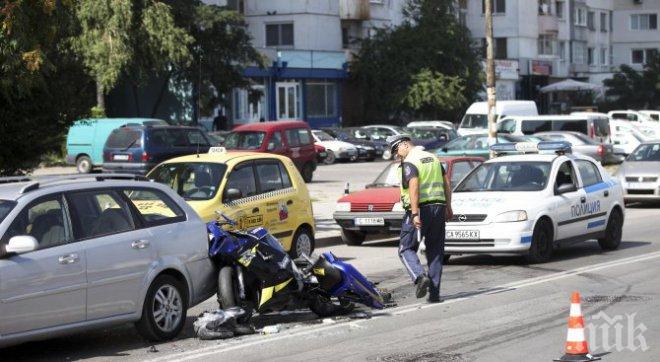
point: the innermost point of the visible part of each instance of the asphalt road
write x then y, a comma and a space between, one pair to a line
495, 309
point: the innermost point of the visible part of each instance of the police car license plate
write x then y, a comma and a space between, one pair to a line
462, 234
363, 221
120, 157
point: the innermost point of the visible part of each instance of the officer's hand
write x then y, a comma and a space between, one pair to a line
449, 213
417, 222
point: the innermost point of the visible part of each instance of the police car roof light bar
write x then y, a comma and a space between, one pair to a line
558, 147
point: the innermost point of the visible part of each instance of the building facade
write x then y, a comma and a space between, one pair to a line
636, 36
307, 46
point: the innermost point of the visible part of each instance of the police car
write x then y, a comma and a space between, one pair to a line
532, 204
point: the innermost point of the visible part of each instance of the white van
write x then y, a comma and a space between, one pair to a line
654, 115
626, 136
643, 121
476, 117
597, 127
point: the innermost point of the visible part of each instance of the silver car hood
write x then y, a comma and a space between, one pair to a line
641, 168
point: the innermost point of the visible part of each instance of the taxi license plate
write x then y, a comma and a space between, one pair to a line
370, 221
462, 234
120, 157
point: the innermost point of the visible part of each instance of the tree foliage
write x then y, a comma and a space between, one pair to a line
630, 88
425, 68
42, 86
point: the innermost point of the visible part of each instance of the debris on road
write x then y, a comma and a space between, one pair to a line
221, 324
274, 329
153, 349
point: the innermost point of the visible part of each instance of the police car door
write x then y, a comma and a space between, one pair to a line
597, 195
569, 198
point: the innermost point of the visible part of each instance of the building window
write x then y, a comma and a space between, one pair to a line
279, 35
344, 37
591, 19
603, 56
603, 22
499, 48
580, 16
559, 9
321, 99
590, 56
545, 7
547, 44
644, 22
579, 50
499, 6
641, 56
610, 58
561, 46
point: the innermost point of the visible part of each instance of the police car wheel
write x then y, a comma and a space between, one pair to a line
613, 231
329, 158
303, 243
354, 238
541, 249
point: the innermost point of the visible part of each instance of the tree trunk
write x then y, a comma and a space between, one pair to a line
100, 95
136, 100
490, 75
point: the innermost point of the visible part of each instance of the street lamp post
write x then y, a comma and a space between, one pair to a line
490, 75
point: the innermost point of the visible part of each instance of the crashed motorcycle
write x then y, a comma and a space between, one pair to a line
256, 274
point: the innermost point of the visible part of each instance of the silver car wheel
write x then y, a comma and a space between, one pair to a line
303, 244
167, 308
387, 155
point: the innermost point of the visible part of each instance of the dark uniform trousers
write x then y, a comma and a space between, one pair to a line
433, 232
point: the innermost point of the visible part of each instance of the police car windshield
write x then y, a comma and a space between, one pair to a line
5, 207
507, 176
192, 181
647, 152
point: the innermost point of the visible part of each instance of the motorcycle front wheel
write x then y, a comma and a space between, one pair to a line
226, 288
324, 307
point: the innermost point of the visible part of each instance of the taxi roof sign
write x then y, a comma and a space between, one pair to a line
558, 147
214, 150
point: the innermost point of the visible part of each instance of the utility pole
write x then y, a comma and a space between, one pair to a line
490, 76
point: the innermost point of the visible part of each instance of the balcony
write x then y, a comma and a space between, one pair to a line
548, 24
308, 59
354, 10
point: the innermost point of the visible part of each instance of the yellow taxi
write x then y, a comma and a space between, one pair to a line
256, 189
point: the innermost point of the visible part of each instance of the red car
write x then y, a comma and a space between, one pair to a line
321, 153
288, 138
377, 209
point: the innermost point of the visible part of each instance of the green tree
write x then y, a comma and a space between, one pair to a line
629, 88
135, 38
42, 87
424, 68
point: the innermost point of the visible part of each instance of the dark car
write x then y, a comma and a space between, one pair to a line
431, 137
367, 149
137, 149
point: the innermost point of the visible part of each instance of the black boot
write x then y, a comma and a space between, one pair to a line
423, 282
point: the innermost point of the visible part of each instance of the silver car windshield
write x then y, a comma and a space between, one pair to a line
647, 152
5, 207
507, 176
389, 177
192, 181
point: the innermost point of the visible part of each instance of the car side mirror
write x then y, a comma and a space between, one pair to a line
232, 195
21, 244
565, 188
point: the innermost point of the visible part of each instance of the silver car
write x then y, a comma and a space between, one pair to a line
87, 251
580, 143
640, 173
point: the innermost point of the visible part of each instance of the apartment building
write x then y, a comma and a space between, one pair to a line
636, 36
307, 45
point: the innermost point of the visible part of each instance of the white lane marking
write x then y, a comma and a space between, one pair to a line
206, 351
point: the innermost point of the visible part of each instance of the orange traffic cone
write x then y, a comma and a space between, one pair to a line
576, 344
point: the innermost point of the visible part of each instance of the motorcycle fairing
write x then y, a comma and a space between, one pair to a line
353, 284
268, 292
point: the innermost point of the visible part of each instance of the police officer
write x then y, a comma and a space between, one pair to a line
426, 197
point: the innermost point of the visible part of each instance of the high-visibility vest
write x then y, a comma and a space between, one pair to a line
431, 180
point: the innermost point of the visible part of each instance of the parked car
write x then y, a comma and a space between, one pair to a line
84, 252
639, 174
321, 154
367, 149
362, 133
218, 138
335, 149
626, 136
382, 131
596, 126
377, 209
256, 189
86, 138
580, 143
292, 139
137, 149
644, 121
432, 124
475, 120
475, 145
654, 115
431, 138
